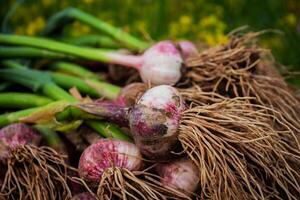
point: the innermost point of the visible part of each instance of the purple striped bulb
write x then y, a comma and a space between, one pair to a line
188, 49
106, 153
161, 64
180, 174
154, 121
158, 65
15, 135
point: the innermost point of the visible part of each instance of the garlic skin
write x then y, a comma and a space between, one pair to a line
161, 64
131, 93
83, 196
188, 49
162, 97
106, 153
154, 121
180, 174
15, 135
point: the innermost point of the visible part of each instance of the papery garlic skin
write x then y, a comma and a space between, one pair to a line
161, 64
158, 65
154, 121
162, 97
15, 135
180, 174
83, 196
188, 49
131, 93
106, 153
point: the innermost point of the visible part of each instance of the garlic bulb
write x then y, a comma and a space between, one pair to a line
106, 153
15, 135
161, 64
180, 174
154, 121
188, 49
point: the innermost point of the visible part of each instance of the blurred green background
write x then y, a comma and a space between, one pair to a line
202, 20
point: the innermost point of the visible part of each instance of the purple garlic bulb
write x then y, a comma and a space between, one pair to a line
161, 64
106, 153
179, 174
188, 49
154, 121
15, 135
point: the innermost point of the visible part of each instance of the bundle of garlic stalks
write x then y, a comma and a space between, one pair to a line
216, 124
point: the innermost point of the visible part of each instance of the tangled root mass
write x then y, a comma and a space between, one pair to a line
35, 173
242, 69
237, 151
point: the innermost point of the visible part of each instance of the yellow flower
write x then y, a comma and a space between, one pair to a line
208, 21
40, 22
211, 30
184, 26
290, 19
209, 39
185, 20
222, 39
79, 29
174, 29
30, 29
35, 26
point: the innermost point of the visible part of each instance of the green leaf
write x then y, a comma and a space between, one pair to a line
46, 113
31, 78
